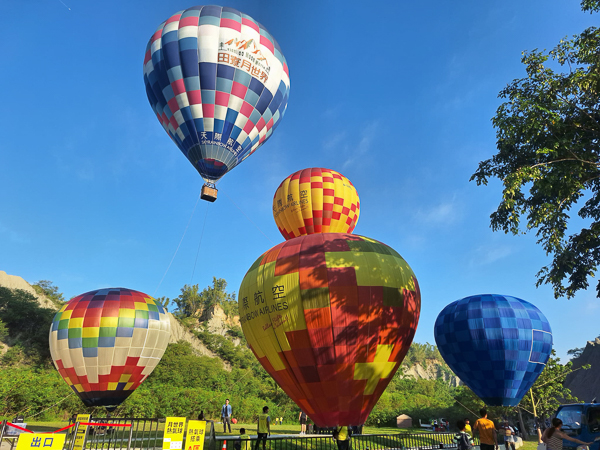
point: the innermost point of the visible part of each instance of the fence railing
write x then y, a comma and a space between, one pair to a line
402, 441
147, 434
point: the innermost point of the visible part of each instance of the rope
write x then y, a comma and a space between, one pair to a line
61, 400
199, 243
180, 241
250, 220
465, 407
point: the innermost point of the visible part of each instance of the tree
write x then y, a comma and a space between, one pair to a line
49, 290
164, 301
548, 141
192, 303
188, 301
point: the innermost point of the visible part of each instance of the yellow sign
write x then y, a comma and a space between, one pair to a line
41, 441
81, 431
173, 437
194, 440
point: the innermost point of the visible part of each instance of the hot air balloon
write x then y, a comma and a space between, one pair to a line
104, 343
496, 344
330, 317
219, 85
315, 200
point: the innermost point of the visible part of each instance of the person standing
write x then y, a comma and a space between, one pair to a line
244, 442
462, 439
553, 436
263, 428
302, 419
226, 415
488, 437
342, 438
468, 428
509, 440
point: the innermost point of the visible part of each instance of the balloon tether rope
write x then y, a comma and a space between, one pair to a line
250, 220
199, 243
176, 250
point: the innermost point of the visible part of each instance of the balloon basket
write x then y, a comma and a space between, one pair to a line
208, 193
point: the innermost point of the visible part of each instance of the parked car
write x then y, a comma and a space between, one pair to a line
581, 421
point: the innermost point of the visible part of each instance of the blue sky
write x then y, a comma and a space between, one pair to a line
396, 95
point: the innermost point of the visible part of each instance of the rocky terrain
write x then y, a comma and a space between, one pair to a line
585, 384
433, 370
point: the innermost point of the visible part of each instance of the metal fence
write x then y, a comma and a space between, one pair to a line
401, 441
147, 434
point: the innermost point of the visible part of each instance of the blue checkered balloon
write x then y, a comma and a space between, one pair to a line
496, 344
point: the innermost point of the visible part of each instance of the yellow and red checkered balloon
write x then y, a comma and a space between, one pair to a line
330, 316
315, 200
104, 343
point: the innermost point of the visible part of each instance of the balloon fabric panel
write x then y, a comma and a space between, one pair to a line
330, 317
104, 343
218, 83
498, 345
315, 200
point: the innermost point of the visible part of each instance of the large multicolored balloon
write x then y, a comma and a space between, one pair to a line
496, 344
330, 317
315, 200
218, 83
104, 343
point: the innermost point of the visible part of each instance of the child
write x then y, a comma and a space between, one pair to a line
462, 439
244, 443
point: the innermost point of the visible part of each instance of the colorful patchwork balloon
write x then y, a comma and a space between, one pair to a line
104, 343
330, 317
218, 83
496, 344
315, 200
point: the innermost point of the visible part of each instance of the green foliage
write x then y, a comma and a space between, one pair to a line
420, 353
48, 289
192, 303
575, 352
27, 322
164, 301
548, 141
3, 331
590, 5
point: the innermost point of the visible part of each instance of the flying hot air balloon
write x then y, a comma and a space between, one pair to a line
496, 344
219, 84
315, 200
104, 343
330, 317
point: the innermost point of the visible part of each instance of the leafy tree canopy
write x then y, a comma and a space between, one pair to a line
548, 140
49, 290
192, 302
27, 324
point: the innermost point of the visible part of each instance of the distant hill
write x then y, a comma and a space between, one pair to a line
432, 370
15, 282
585, 384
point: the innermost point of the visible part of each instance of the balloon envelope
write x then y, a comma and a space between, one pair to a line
218, 83
496, 344
104, 343
330, 317
315, 200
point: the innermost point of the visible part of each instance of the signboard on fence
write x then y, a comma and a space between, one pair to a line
12, 431
81, 431
41, 441
194, 440
173, 437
